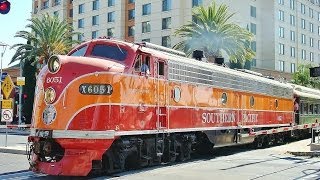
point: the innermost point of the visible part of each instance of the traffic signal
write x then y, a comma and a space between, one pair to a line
4, 6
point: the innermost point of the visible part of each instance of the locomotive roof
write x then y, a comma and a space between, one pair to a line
225, 70
192, 62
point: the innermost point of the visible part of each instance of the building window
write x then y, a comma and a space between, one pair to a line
146, 9
71, 13
81, 8
166, 41
311, 57
94, 34
131, 31
80, 37
45, 5
253, 28
95, 20
56, 13
281, 66
254, 46
196, 3
254, 63
253, 11
303, 24
112, 3
166, 5
292, 36
303, 8
146, 40
303, 54
319, 44
311, 27
292, 4
293, 52
292, 20
293, 67
111, 16
281, 2
318, 16
311, 41
131, 1
110, 32
310, 12
281, 48
146, 27
131, 14
80, 23
281, 15
303, 38
56, 2
166, 23
319, 30
95, 5
281, 32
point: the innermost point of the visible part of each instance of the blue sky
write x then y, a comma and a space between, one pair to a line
12, 22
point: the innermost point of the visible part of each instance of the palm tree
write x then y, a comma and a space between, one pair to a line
211, 32
48, 36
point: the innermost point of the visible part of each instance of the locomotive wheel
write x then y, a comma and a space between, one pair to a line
280, 138
184, 151
271, 140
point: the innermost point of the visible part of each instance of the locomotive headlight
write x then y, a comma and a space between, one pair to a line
49, 95
54, 64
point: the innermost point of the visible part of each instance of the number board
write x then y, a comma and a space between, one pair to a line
96, 89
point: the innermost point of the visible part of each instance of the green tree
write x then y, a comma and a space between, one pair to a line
48, 36
302, 77
212, 32
29, 72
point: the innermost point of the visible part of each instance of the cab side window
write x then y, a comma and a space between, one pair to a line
142, 64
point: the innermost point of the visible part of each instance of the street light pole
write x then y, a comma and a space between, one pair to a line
20, 95
4, 47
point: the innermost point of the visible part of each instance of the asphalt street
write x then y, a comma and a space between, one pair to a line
228, 163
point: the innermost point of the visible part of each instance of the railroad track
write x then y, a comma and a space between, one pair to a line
19, 175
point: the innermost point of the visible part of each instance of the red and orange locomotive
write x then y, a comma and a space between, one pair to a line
111, 105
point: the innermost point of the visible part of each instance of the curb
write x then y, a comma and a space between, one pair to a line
311, 154
12, 151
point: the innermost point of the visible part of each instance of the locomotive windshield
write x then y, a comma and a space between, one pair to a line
80, 52
109, 52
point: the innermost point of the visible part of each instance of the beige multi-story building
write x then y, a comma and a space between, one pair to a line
287, 32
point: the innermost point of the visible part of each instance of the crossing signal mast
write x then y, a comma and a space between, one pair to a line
4, 6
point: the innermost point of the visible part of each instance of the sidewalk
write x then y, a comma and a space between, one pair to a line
16, 144
297, 148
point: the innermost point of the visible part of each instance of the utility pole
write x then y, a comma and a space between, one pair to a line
20, 95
